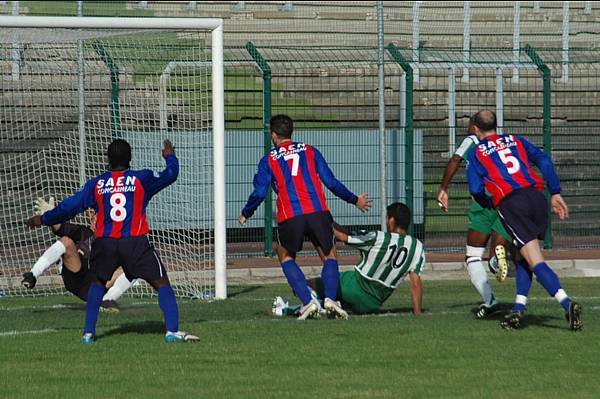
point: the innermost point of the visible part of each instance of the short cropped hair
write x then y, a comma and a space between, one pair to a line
401, 214
119, 153
283, 126
485, 120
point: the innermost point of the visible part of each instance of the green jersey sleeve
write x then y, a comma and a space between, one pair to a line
362, 240
467, 144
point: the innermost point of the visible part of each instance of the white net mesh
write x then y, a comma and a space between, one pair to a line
142, 86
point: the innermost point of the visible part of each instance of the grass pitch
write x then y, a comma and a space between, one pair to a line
246, 353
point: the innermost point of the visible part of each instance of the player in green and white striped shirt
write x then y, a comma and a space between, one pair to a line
387, 258
482, 223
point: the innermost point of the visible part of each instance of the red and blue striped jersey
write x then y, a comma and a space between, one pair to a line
119, 199
296, 172
504, 163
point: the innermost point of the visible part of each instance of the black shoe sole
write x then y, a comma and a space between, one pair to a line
575, 323
512, 323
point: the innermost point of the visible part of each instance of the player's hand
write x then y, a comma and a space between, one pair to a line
34, 221
559, 206
442, 199
41, 206
242, 220
168, 148
363, 203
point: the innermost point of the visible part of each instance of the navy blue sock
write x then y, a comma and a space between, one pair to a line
92, 308
296, 280
549, 280
330, 274
168, 304
523, 280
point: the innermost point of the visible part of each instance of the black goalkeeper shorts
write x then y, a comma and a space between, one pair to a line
78, 283
136, 254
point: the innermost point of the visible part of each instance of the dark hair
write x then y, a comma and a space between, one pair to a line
282, 125
485, 120
119, 153
401, 214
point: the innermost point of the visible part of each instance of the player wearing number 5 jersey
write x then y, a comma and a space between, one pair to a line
296, 171
119, 197
503, 164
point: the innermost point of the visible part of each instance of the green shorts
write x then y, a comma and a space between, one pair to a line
352, 295
486, 220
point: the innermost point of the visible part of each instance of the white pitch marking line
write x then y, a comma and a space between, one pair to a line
16, 333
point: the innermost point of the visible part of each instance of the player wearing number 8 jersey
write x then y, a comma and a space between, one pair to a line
503, 164
296, 171
120, 197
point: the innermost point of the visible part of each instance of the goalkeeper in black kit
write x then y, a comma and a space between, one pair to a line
72, 252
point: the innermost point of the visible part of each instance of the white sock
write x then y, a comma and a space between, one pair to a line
560, 295
118, 288
48, 258
480, 281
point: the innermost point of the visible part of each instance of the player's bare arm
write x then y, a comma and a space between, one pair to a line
416, 291
340, 233
363, 203
559, 206
451, 168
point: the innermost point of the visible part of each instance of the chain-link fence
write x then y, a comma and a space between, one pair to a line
317, 62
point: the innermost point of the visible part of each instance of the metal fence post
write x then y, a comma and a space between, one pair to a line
382, 147
16, 48
547, 127
81, 92
516, 40
265, 68
466, 38
500, 99
565, 43
115, 105
408, 130
416, 34
452, 110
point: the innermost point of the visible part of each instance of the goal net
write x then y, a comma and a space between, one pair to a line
67, 91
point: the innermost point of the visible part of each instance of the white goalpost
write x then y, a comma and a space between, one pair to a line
84, 81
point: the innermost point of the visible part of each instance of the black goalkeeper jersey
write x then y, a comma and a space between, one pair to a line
81, 235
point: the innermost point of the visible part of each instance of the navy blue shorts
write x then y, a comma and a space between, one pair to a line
136, 254
524, 214
318, 227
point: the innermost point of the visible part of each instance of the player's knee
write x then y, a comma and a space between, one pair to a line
68, 243
161, 282
474, 254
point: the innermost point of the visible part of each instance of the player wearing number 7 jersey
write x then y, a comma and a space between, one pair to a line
296, 172
119, 197
386, 259
502, 164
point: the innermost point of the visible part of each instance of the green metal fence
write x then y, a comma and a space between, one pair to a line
331, 93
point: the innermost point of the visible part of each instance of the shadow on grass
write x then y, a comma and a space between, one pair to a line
241, 291
542, 321
77, 307
528, 320
146, 327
